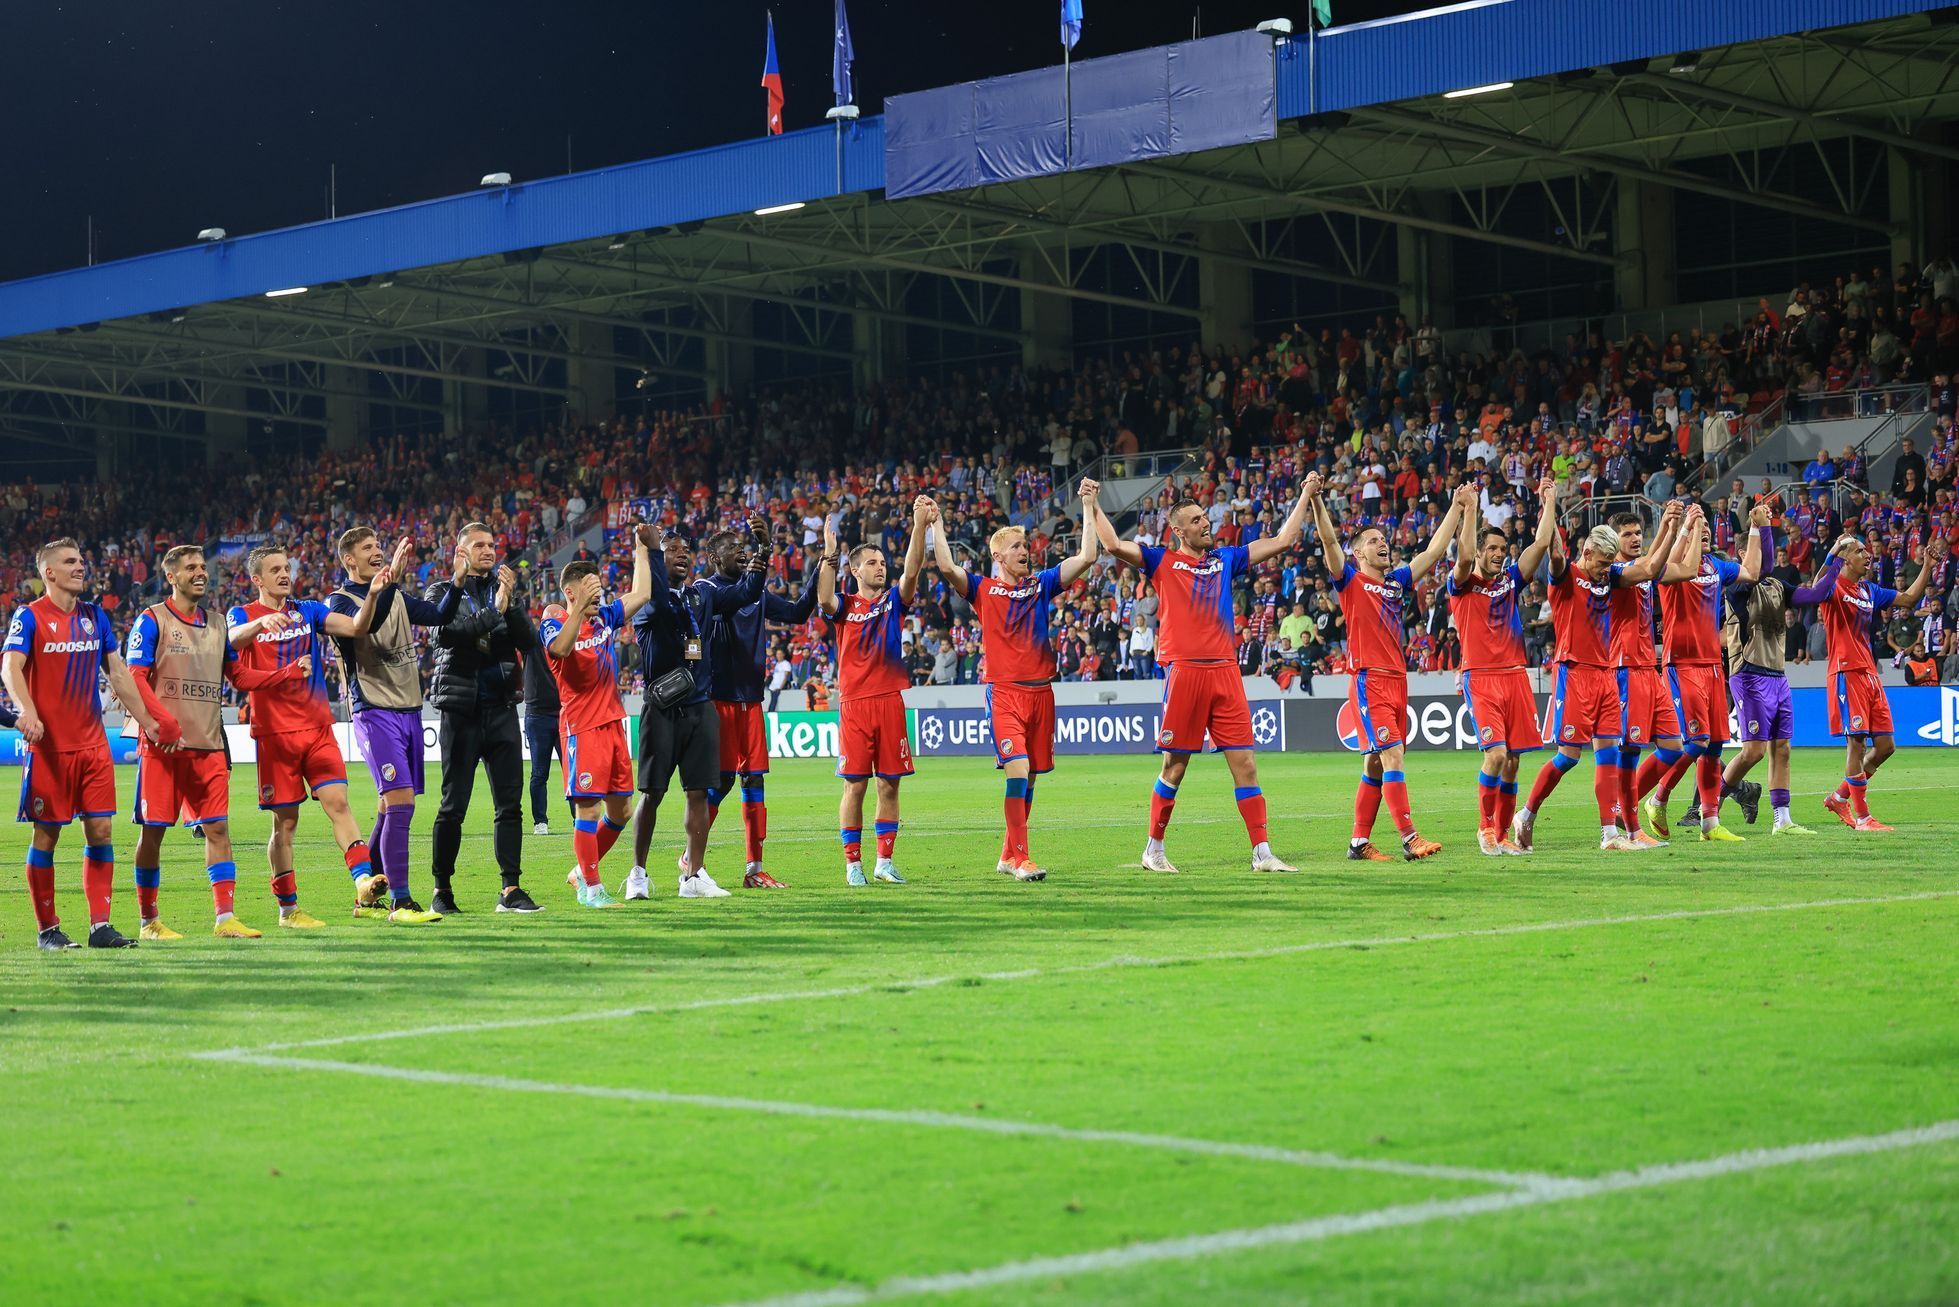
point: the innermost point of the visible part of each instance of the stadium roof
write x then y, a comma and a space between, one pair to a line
665, 251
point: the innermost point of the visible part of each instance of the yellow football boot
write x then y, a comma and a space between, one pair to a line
156, 931
233, 928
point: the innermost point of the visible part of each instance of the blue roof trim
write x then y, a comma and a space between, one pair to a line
711, 183
1485, 41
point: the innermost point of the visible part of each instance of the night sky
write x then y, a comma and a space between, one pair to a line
160, 119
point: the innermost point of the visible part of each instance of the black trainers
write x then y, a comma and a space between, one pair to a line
515, 899
107, 936
1748, 796
444, 901
54, 939
1691, 819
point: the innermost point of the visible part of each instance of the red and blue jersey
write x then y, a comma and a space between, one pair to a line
1194, 617
1489, 619
1014, 629
870, 645
65, 652
1632, 623
1848, 617
290, 706
1581, 612
1692, 612
588, 676
1373, 609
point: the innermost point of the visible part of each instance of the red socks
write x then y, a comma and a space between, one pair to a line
40, 886
585, 847
98, 881
1367, 806
1628, 797
754, 823
1708, 777
1506, 805
1015, 807
1163, 802
608, 835
1547, 780
1394, 788
1605, 788
1251, 806
887, 838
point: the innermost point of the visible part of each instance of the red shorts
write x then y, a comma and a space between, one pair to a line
1200, 698
1584, 707
1502, 709
294, 765
597, 762
871, 738
1379, 703
1646, 713
1858, 705
193, 785
1022, 717
56, 788
744, 737
1700, 702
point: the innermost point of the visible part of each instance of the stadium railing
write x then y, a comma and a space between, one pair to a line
1751, 431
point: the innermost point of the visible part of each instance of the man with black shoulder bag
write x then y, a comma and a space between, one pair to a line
678, 728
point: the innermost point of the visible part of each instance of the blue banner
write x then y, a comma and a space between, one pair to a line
13, 748
1078, 729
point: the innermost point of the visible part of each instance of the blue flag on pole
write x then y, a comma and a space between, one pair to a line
843, 60
1071, 22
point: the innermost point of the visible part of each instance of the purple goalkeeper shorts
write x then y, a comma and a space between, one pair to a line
1762, 706
390, 739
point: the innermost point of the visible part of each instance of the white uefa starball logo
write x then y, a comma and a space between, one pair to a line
1265, 726
931, 732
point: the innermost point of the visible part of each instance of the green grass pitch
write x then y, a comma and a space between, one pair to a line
1457, 1081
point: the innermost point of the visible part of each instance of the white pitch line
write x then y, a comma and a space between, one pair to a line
891, 1116
1194, 1247
1108, 964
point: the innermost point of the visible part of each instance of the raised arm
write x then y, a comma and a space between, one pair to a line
1655, 560
1546, 538
1684, 559
1464, 501
1336, 557
1288, 534
421, 611
1928, 562
642, 589
363, 620
1466, 545
1123, 551
1825, 583
949, 568
1084, 558
246, 632
1760, 548
565, 638
793, 612
923, 514
826, 574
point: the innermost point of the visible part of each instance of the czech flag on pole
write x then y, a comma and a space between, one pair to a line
772, 80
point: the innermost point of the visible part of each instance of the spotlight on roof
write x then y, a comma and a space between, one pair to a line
1468, 91
211, 234
779, 208
616, 243
1689, 62
281, 294
1279, 28
495, 179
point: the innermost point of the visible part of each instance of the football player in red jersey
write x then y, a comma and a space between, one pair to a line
1646, 709
1203, 692
1850, 606
871, 676
1013, 606
54, 650
1486, 592
581, 642
1585, 705
1372, 591
292, 721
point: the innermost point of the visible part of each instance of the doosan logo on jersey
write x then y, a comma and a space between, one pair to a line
593, 641
867, 615
71, 646
1025, 592
1211, 567
280, 637
1384, 589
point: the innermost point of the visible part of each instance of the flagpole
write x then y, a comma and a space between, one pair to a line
1312, 63
1067, 107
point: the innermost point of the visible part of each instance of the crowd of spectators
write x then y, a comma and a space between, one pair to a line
1391, 416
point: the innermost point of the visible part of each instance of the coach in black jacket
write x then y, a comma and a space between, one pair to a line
477, 685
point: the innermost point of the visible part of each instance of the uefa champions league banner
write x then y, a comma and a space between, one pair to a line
1922, 715
1078, 729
